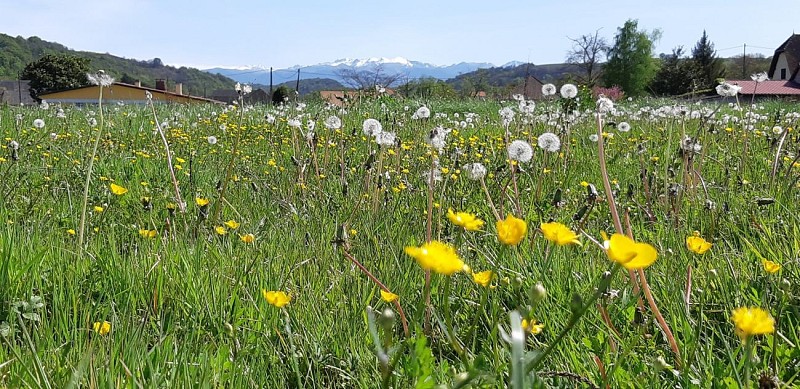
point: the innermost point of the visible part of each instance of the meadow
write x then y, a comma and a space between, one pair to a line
567, 242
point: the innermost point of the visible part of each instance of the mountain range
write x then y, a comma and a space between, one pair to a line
337, 70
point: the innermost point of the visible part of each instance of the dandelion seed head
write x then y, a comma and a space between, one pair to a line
549, 142
520, 151
475, 171
212, 140
623, 127
371, 127
548, 90
38, 123
333, 123
569, 91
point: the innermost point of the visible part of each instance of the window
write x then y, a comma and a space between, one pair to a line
783, 74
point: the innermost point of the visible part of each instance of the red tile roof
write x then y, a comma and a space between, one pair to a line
777, 87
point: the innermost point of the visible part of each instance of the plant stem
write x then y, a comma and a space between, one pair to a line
81, 228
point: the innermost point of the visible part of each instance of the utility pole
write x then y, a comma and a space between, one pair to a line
270, 82
744, 61
297, 85
19, 86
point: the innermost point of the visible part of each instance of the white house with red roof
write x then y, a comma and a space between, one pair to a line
784, 73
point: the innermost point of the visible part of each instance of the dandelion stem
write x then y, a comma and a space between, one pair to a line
82, 226
181, 204
489, 199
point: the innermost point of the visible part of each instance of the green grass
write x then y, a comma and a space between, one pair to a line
186, 308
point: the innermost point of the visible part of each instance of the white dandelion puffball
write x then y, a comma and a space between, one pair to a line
475, 171
333, 123
759, 77
101, 78
728, 90
549, 142
385, 138
423, 112
372, 127
13, 145
38, 123
569, 91
548, 89
623, 127
604, 104
593, 137
212, 140
520, 151
294, 123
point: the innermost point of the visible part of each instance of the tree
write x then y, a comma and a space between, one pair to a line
369, 78
280, 95
587, 52
630, 64
56, 72
675, 76
708, 67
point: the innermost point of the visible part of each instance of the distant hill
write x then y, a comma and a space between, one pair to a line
15, 53
499, 77
311, 85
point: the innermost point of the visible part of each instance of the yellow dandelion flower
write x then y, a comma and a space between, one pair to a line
248, 238
630, 253
389, 297
697, 244
149, 234
102, 328
511, 231
201, 202
232, 224
118, 190
220, 230
98, 209
463, 219
278, 299
532, 326
71, 231
559, 234
752, 321
771, 267
483, 278
436, 256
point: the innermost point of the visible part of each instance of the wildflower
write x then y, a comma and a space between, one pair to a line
372, 127
520, 151
629, 253
201, 202
548, 90
423, 112
212, 140
623, 127
388, 296
149, 234
511, 231
71, 231
475, 171
759, 77
569, 91
385, 138
118, 190
38, 123
593, 137
604, 104
463, 219
247, 238
549, 142
436, 256
483, 278
101, 78
232, 224
102, 328
728, 90
506, 115
532, 326
770, 267
696, 244
333, 123
559, 234
278, 299
436, 138
220, 230
751, 321
690, 145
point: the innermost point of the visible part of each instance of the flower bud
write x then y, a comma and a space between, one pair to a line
538, 292
386, 319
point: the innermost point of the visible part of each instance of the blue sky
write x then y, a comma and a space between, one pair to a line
284, 33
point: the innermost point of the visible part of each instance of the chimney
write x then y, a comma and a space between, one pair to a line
138, 83
161, 84
179, 88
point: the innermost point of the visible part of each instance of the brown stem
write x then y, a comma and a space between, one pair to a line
661, 322
489, 198
382, 286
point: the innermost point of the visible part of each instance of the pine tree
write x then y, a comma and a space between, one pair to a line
676, 75
631, 65
708, 67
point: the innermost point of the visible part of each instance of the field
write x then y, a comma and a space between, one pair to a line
115, 274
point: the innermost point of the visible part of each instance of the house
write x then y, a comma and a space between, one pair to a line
784, 74
124, 93
16, 92
339, 98
230, 95
531, 88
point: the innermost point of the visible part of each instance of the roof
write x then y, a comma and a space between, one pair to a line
791, 48
85, 95
776, 87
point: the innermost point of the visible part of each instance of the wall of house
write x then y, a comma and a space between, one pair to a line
127, 94
781, 64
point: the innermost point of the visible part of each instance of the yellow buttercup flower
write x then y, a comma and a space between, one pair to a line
102, 328
559, 234
220, 230
463, 219
531, 326
752, 321
71, 231
436, 256
149, 234
232, 224
276, 298
201, 202
771, 267
483, 278
118, 190
389, 297
630, 253
696, 244
511, 231
98, 209
248, 238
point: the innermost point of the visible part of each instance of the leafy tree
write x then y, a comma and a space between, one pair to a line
56, 72
428, 88
708, 67
369, 78
280, 94
630, 60
587, 52
675, 76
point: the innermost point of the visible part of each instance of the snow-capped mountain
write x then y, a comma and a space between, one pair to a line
406, 69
